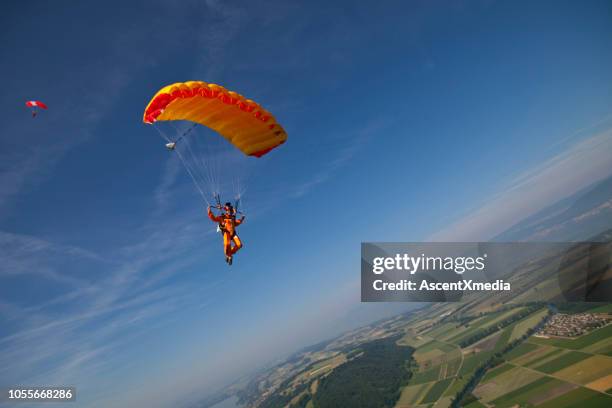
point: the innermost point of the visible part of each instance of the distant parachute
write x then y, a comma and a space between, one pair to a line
35, 106
211, 162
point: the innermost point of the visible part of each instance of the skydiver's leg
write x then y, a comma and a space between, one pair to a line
227, 244
237, 244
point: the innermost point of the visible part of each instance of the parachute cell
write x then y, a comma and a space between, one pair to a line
243, 122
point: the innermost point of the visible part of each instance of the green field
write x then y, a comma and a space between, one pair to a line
504, 383
433, 352
475, 404
602, 309
472, 361
480, 325
328, 363
525, 394
442, 329
412, 340
561, 362
425, 376
544, 354
452, 367
527, 323
503, 339
412, 394
579, 398
473, 328
586, 371
503, 315
457, 385
436, 391
510, 385
520, 350
601, 347
496, 371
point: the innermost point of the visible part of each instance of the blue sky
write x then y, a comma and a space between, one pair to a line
407, 121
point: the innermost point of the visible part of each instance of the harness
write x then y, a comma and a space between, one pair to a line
221, 226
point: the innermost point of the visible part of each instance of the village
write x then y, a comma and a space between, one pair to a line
573, 325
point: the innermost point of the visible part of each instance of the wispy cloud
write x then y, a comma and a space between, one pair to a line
79, 331
27, 255
223, 22
580, 165
353, 143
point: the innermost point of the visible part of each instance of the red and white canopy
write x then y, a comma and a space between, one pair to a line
36, 104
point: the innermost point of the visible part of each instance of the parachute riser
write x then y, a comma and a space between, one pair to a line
219, 207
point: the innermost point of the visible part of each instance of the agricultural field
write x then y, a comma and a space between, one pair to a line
472, 361
442, 330
537, 372
453, 366
475, 404
534, 393
488, 343
561, 362
574, 361
586, 371
521, 350
475, 326
601, 347
504, 383
413, 339
444, 368
436, 391
606, 308
544, 355
527, 323
489, 323
433, 353
579, 397
551, 372
456, 385
496, 371
412, 395
420, 377
332, 362
517, 385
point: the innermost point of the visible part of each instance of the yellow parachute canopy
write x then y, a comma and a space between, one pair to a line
241, 121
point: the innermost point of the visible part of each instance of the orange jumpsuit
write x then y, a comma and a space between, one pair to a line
228, 225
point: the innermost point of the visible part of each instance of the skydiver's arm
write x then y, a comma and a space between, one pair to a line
238, 222
212, 216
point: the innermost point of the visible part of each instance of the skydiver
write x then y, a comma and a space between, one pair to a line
35, 106
227, 224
